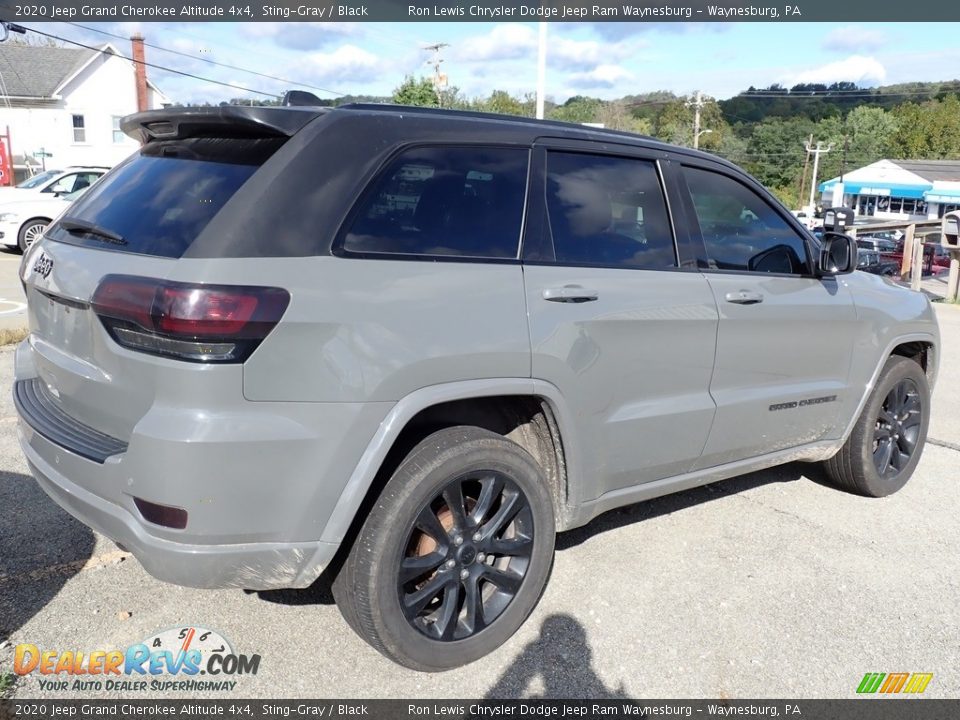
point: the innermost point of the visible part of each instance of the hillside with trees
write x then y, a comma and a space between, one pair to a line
762, 129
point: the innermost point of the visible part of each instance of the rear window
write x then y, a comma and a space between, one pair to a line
161, 199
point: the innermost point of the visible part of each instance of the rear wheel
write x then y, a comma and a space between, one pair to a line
30, 232
885, 446
455, 553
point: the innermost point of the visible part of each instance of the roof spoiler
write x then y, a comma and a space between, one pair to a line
222, 121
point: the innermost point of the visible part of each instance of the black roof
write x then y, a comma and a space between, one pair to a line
281, 121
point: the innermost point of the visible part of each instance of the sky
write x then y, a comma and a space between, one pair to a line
606, 60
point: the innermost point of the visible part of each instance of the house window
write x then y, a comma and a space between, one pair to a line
79, 129
118, 134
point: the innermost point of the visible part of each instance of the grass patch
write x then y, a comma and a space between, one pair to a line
7, 681
12, 336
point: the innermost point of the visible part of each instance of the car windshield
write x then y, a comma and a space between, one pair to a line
38, 180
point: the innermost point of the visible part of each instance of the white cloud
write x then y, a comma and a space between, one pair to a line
602, 76
852, 38
865, 71
503, 42
344, 68
301, 35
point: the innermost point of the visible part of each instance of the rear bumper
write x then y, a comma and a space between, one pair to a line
251, 566
259, 481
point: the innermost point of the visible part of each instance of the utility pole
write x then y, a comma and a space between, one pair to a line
817, 152
697, 105
439, 79
803, 176
541, 69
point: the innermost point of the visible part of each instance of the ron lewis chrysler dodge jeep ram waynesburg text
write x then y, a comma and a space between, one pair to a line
407, 346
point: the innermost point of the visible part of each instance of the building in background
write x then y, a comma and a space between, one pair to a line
898, 189
63, 105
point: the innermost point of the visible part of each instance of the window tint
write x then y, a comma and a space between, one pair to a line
161, 199
457, 201
607, 211
740, 229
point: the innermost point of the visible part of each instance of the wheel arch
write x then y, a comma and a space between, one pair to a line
920, 347
545, 428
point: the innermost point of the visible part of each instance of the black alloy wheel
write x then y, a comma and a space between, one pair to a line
897, 431
466, 556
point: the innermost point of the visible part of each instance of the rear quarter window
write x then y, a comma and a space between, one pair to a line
161, 199
444, 201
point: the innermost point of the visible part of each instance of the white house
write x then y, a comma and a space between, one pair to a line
63, 105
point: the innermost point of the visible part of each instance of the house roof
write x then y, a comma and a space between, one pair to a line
932, 170
37, 72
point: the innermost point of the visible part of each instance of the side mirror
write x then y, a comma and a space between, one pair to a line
838, 254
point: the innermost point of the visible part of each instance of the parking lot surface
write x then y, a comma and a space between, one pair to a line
769, 585
13, 309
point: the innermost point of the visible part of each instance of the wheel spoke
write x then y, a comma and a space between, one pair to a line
414, 602
886, 417
506, 581
912, 405
490, 488
473, 603
453, 496
428, 521
881, 433
515, 546
446, 623
509, 507
881, 456
896, 461
413, 567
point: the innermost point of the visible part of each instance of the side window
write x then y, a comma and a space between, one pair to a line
455, 201
63, 185
740, 229
607, 211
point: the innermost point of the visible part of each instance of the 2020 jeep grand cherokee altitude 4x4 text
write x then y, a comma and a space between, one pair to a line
431, 340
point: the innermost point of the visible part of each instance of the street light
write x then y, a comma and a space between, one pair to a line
696, 138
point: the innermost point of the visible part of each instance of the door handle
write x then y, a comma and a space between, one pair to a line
744, 297
570, 294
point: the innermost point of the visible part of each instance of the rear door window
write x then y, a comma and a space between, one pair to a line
161, 199
444, 201
608, 212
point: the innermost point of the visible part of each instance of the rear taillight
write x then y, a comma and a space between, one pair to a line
199, 323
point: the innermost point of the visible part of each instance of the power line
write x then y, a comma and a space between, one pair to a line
213, 62
152, 65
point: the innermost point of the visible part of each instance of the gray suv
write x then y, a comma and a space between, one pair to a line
405, 347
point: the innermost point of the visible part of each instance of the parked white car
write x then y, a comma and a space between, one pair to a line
54, 182
23, 222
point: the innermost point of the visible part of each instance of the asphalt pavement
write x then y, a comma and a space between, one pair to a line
13, 308
769, 585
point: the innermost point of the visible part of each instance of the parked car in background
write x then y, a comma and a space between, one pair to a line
871, 261
23, 222
54, 182
879, 244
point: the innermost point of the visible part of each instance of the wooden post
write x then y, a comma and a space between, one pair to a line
907, 251
916, 274
954, 279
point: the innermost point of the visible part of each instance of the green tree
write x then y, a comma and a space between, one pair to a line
929, 130
502, 102
775, 151
862, 137
416, 92
578, 109
674, 124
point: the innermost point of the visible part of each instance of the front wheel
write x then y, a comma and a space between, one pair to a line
30, 232
885, 445
454, 555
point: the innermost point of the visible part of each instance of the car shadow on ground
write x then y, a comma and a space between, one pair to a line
667, 504
41, 548
320, 592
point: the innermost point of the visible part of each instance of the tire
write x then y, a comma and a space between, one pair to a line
496, 555
30, 232
889, 433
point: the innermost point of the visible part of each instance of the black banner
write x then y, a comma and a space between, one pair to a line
852, 709
480, 11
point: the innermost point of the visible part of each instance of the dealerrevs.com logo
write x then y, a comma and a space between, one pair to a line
894, 683
179, 659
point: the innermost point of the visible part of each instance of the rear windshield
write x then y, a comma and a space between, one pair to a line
161, 199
